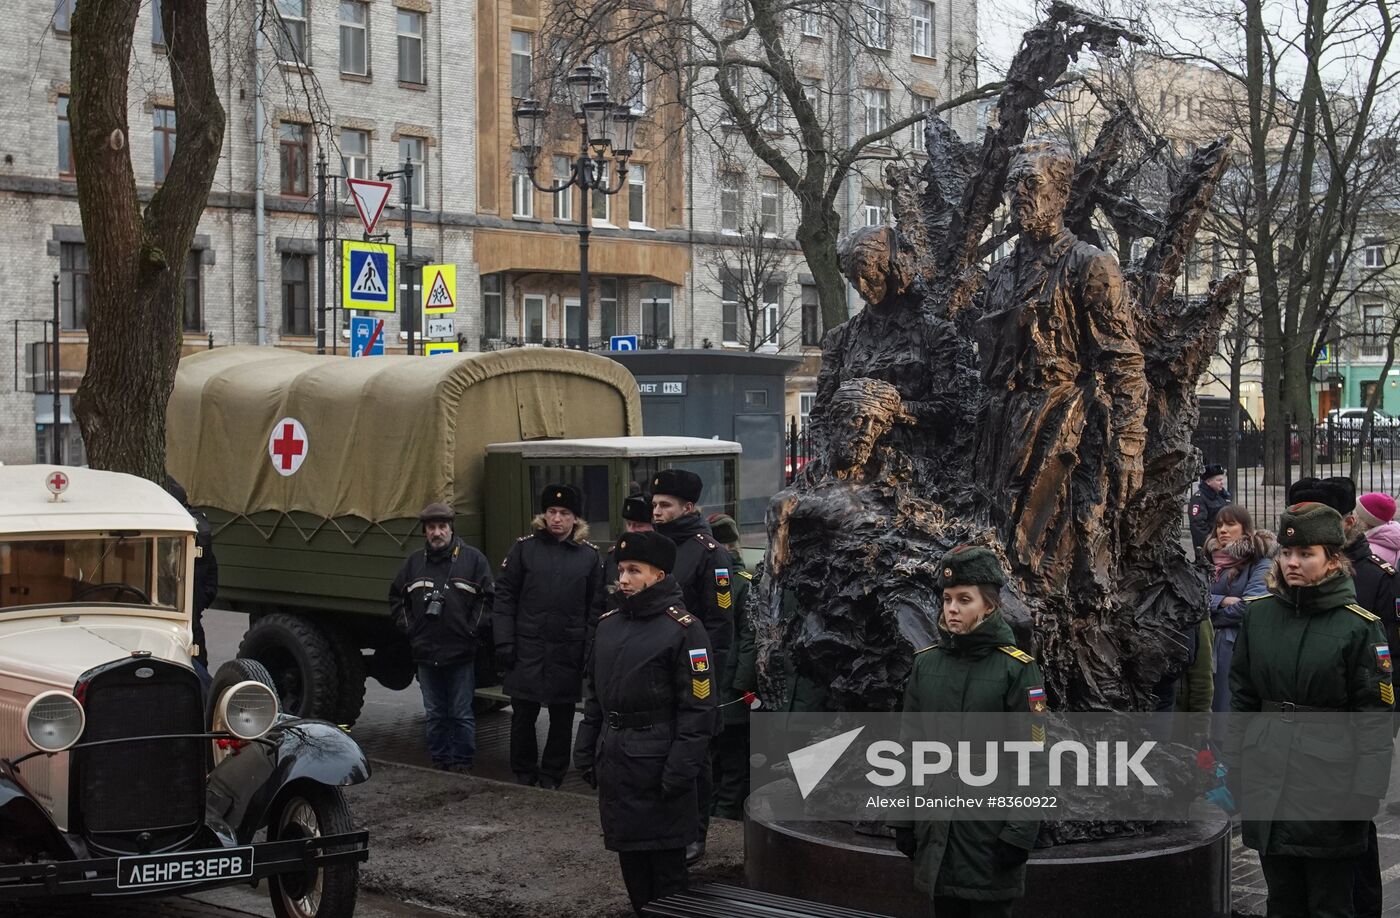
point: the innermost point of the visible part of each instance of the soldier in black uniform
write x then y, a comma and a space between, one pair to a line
648, 718
206, 567
636, 517
705, 573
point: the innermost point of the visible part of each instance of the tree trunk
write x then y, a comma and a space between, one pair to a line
137, 258
817, 232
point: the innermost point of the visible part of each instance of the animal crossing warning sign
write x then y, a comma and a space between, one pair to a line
367, 276
439, 288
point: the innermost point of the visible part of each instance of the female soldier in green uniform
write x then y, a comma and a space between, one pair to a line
1311, 771
971, 869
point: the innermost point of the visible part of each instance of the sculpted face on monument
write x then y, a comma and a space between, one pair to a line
868, 260
1039, 181
864, 411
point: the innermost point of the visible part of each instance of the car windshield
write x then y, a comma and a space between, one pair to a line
129, 569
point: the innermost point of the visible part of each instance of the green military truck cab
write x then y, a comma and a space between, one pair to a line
312, 470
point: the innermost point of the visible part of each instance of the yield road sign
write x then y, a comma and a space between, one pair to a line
367, 276
366, 336
287, 445
622, 343
369, 199
431, 348
439, 288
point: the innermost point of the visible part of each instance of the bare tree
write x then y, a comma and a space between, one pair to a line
747, 276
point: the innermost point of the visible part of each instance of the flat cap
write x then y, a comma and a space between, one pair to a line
649, 548
1310, 523
681, 483
971, 565
437, 512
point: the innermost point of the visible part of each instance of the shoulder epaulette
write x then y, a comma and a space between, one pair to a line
1016, 653
710, 543
684, 619
1383, 564
1256, 598
746, 575
607, 613
524, 537
922, 649
588, 543
1361, 611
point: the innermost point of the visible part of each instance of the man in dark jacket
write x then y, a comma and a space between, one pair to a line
703, 570
1210, 496
648, 718
206, 568
737, 681
545, 598
1374, 581
440, 599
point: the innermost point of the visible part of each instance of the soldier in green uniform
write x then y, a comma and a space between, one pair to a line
731, 766
971, 869
1307, 653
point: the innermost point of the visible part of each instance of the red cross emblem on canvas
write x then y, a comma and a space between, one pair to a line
287, 446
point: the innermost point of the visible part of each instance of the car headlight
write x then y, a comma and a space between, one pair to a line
248, 709
53, 721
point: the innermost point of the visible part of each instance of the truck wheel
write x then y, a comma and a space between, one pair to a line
311, 811
230, 674
351, 691
300, 659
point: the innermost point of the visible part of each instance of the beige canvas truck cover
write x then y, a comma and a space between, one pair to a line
261, 428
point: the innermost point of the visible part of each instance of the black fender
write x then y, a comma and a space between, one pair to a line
243, 788
27, 830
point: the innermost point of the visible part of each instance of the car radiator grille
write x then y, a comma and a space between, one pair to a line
153, 787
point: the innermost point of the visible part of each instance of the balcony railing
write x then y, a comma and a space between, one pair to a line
644, 343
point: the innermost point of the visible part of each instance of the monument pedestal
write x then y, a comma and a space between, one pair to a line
1181, 871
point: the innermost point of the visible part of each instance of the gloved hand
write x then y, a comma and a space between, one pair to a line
589, 777
1009, 855
905, 841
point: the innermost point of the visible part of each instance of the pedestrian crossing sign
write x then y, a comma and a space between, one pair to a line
367, 276
439, 288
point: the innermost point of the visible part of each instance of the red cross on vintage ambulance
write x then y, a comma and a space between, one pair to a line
287, 446
57, 483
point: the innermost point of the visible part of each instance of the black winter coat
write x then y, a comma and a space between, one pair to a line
705, 574
648, 717
1376, 586
206, 566
463, 576
1205, 504
545, 598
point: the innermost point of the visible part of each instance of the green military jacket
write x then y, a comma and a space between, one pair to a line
1310, 646
739, 674
975, 672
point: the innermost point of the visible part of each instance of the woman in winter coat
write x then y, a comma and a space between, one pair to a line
1375, 512
971, 869
1309, 743
1243, 557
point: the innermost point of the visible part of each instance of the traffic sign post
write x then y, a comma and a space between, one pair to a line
367, 276
369, 197
432, 348
439, 288
366, 336
622, 343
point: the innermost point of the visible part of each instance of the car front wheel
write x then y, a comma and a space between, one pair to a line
312, 811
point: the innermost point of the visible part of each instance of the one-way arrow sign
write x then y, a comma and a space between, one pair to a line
369, 200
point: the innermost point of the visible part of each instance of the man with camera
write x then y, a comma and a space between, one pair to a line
440, 599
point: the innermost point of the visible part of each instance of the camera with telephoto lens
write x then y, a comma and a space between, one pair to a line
435, 599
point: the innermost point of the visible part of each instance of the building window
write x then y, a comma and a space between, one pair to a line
637, 82
163, 141
65, 139
291, 31
733, 78
877, 206
877, 24
811, 317
410, 29
730, 203
1372, 329
534, 318
63, 15
522, 193
157, 28
296, 158
772, 112
602, 69
354, 37
734, 10
772, 313
877, 110
415, 150
812, 22
73, 285
637, 195
812, 90
921, 104
493, 314
607, 307
921, 23
806, 401
354, 156
522, 50
564, 198
656, 311
296, 294
194, 291
602, 203
1375, 253
572, 314
729, 309
770, 206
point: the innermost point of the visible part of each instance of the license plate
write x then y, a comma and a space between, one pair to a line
151, 870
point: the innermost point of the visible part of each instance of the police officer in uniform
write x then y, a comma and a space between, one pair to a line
971, 869
648, 718
1210, 496
706, 577
1307, 649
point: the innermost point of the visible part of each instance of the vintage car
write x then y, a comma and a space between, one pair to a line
121, 773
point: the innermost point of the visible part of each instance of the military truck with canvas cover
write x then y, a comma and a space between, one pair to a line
313, 470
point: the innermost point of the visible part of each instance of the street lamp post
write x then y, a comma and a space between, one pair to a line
603, 126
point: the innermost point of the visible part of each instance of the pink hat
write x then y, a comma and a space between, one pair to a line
1375, 508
